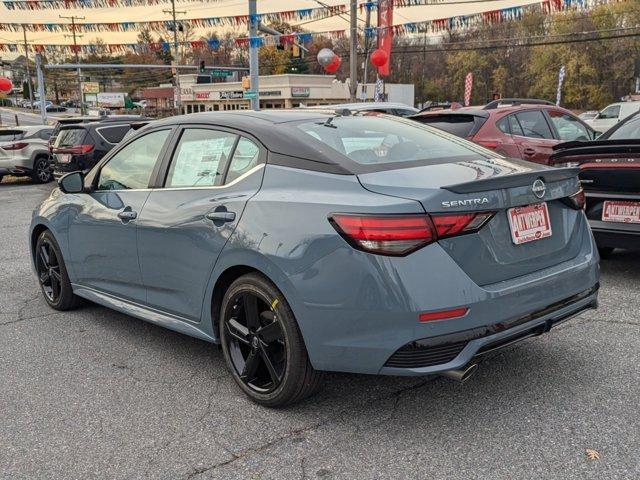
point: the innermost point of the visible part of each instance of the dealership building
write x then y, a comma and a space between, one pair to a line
281, 91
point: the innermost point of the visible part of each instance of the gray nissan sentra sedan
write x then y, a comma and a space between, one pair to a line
306, 241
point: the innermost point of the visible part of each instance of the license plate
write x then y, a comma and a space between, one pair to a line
621, 212
529, 223
63, 157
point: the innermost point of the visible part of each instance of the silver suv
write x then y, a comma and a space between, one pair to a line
24, 151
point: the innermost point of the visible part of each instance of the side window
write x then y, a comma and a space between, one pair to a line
245, 157
200, 158
503, 125
569, 128
132, 166
113, 134
534, 124
612, 111
45, 134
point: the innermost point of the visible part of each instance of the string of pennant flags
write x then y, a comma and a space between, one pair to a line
455, 23
304, 14
66, 4
316, 13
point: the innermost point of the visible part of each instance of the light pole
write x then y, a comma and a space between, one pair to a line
75, 48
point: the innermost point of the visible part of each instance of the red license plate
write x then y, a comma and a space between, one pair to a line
529, 223
621, 212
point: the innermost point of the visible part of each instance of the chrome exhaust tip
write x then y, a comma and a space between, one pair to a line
461, 375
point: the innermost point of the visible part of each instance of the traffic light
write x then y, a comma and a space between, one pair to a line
202, 67
246, 83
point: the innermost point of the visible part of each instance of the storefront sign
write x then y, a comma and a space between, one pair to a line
271, 93
203, 95
90, 87
235, 95
110, 100
300, 91
186, 94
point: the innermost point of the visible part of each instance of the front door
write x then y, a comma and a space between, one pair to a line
103, 229
185, 224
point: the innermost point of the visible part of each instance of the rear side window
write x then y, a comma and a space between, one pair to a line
200, 158
384, 140
245, 157
113, 134
68, 137
458, 125
534, 124
45, 134
11, 135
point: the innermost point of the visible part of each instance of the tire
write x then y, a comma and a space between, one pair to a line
52, 274
271, 332
41, 172
605, 252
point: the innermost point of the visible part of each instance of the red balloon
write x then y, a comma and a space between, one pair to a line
334, 65
379, 58
5, 85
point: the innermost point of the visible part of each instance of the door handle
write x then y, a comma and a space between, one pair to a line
127, 214
221, 216
529, 151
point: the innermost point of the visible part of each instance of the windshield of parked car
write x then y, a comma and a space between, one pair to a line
11, 135
383, 139
630, 130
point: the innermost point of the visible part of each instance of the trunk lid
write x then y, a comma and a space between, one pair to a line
497, 185
605, 165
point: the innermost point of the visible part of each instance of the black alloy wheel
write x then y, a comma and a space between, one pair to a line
48, 268
262, 344
52, 274
41, 171
256, 343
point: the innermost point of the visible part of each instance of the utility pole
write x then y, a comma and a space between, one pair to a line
353, 49
253, 55
178, 95
26, 54
365, 67
73, 19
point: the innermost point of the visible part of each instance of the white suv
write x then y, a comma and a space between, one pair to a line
612, 114
24, 151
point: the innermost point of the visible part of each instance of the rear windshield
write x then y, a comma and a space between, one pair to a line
69, 137
458, 125
383, 140
630, 130
11, 135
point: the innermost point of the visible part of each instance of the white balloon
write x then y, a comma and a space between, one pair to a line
325, 56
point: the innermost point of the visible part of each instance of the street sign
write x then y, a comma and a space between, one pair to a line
221, 73
250, 94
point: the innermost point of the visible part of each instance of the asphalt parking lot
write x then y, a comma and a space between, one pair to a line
96, 394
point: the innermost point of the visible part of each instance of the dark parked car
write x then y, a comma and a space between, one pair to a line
610, 175
526, 129
80, 146
305, 241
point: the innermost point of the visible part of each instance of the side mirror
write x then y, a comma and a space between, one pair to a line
596, 134
72, 182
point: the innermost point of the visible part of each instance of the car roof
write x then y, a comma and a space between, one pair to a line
481, 112
26, 128
363, 106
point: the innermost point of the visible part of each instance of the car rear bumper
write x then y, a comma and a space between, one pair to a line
451, 352
612, 234
382, 311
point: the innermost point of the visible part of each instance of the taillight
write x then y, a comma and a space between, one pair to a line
15, 146
74, 150
399, 235
488, 143
577, 200
452, 225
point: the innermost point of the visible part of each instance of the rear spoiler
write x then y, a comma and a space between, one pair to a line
611, 148
514, 180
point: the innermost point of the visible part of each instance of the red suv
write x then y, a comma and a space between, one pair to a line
516, 128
